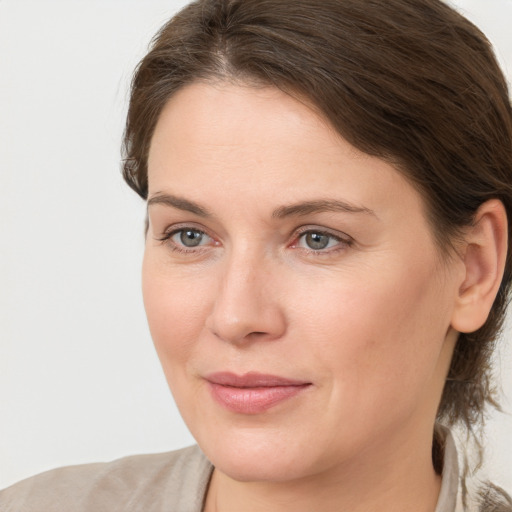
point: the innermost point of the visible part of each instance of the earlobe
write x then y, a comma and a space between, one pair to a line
484, 261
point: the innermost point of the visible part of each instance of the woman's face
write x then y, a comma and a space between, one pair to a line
299, 307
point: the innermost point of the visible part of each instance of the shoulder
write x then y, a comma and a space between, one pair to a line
153, 483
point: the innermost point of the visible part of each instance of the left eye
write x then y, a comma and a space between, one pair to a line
317, 241
190, 238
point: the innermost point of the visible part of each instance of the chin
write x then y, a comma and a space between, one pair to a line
257, 467
259, 456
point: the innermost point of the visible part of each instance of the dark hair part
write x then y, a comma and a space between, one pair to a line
410, 81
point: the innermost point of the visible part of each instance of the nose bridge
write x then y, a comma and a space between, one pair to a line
246, 302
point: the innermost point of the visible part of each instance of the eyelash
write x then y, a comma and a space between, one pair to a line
342, 242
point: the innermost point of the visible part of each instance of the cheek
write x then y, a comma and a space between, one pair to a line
380, 335
175, 308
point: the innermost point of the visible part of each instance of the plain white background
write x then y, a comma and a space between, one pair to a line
79, 379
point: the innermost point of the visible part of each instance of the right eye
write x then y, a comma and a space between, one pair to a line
186, 239
189, 238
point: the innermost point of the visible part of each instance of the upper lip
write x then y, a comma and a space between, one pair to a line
252, 380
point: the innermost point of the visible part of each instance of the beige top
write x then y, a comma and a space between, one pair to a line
450, 499
167, 482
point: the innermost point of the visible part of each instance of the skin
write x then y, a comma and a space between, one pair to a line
369, 321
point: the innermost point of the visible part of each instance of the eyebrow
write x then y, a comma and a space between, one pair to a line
180, 203
318, 206
297, 209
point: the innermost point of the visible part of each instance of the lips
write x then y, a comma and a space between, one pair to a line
252, 393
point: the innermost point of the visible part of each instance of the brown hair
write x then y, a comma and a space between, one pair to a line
410, 81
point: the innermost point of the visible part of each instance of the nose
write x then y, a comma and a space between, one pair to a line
247, 306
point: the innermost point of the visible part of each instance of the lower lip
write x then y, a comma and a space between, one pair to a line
253, 400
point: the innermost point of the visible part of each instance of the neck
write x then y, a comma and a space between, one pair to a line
403, 480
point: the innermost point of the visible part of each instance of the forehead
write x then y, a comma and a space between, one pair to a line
240, 118
223, 143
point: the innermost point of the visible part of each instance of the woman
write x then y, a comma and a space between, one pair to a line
326, 265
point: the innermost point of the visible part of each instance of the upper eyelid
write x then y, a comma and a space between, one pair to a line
340, 235
176, 228
187, 228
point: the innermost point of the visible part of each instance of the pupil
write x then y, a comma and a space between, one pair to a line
191, 238
317, 240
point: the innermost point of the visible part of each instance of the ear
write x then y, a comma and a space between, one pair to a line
484, 261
